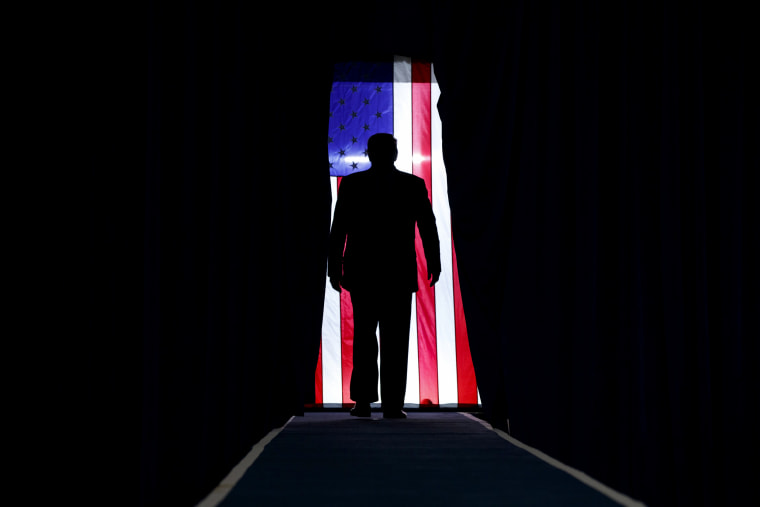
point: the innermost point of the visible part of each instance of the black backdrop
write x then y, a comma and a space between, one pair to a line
600, 160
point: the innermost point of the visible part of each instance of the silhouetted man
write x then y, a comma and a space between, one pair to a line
372, 255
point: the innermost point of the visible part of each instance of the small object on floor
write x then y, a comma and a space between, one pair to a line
395, 414
361, 410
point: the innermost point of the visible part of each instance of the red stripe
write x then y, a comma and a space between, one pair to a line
346, 339
318, 398
466, 384
421, 166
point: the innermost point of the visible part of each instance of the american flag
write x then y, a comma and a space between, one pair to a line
398, 97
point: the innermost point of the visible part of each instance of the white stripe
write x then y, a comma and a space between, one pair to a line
402, 131
377, 335
413, 368
332, 369
222, 490
402, 112
618, 497
444, 289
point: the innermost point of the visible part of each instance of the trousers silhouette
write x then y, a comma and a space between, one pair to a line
392, 311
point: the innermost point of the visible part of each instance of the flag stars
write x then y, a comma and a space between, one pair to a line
356, 111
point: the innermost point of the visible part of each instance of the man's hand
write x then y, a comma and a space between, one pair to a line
434, 277
335, 282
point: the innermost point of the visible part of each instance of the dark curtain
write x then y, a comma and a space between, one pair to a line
236, 222
600, 161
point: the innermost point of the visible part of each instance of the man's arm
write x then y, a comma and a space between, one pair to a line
428, 233
337, 240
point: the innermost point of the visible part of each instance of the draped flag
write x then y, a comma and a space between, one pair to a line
398, 97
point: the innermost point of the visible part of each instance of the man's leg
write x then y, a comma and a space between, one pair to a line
394, 349
364, 374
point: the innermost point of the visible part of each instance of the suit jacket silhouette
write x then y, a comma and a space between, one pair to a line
375, 217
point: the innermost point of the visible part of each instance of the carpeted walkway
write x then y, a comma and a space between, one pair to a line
445, 458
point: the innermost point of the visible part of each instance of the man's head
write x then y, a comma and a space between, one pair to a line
381, 149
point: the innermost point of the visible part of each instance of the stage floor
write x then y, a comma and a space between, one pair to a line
431, 458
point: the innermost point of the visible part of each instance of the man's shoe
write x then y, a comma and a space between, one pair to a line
395, 414
361, 410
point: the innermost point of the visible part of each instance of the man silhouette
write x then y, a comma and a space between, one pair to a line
372, 255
